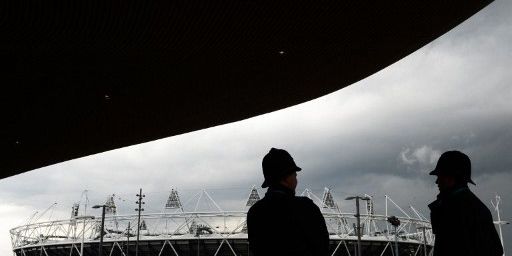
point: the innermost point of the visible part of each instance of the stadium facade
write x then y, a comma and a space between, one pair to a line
180, 232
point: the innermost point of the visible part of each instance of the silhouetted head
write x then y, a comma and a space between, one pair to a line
453, 168
279, 168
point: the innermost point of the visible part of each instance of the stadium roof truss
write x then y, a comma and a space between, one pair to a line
215, 224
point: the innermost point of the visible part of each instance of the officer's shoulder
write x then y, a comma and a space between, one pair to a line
471, 200
305, 201
255, 206
469, 197
479, 205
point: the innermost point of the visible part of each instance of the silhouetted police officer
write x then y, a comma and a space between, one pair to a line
462, 224
282, 223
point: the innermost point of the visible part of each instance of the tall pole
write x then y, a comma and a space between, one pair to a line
140, 209
358, 228
386, 202
497, 207
128, 239
102, 226
101, 231
499, 222
358, 217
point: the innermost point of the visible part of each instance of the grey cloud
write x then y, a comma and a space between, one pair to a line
422, 155
378, 136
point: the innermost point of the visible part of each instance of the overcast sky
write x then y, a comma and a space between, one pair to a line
379, 136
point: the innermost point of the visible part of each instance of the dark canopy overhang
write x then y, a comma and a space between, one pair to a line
87, 76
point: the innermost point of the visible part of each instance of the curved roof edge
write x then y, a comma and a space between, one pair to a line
93, 76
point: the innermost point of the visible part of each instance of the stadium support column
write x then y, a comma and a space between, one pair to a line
139, 210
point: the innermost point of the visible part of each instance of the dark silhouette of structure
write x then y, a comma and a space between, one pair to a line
281, 223
83, 78
462, 224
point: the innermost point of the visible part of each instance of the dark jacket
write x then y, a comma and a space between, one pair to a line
284, 224
463, 225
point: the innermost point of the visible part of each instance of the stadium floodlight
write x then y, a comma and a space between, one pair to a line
366, 198
357, 198
102, 224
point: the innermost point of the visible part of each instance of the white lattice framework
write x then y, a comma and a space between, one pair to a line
216, 224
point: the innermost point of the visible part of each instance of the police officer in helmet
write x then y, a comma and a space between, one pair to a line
462, 224
282, 223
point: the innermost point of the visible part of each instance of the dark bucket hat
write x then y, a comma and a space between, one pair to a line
277, 164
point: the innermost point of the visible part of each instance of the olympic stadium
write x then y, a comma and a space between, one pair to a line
179, 230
